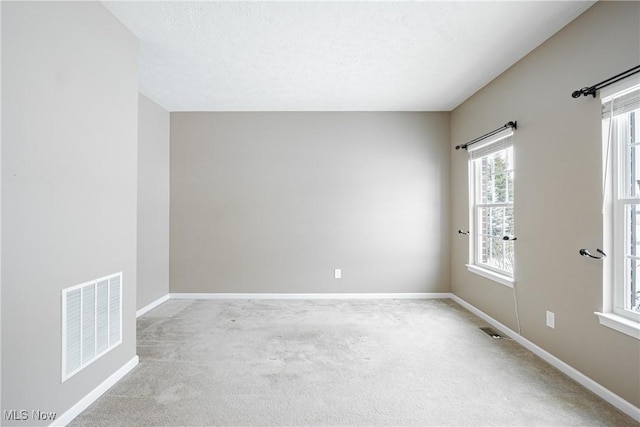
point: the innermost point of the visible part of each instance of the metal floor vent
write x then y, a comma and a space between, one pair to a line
493, 333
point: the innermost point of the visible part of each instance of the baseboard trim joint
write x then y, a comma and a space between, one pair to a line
152, 305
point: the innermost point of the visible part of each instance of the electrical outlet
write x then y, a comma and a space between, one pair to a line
338, 273
551, 319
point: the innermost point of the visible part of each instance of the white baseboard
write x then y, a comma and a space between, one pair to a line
579, 377
419, 295
93, 395
151, 306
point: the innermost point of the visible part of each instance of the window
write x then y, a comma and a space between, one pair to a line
491, 190
621, 139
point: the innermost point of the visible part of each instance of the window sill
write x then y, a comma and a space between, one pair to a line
491, 275
620, 324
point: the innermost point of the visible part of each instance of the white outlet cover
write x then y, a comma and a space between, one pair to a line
551, 319
338, 273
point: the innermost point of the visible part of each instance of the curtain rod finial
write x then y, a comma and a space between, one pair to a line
584, 91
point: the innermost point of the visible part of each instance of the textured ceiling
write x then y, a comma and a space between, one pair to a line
332, 56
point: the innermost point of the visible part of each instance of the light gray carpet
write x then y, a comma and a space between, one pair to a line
337, 362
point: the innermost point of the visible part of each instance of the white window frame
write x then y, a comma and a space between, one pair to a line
614, 315
620, 203
502, 140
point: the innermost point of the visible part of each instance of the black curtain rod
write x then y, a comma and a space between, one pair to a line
510, 125
591, 90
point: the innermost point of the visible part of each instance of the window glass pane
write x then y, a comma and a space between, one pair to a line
632, 257
491, 251
510, 186
631, 155
495, 221
634, 143
508, 222
632, 295
491, 221
509, 171
486, 180
508, 255
635, 126
632, 215
496, 253
496, 178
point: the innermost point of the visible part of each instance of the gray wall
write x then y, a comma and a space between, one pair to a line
153, 202
558, 166
69, 130
273, 202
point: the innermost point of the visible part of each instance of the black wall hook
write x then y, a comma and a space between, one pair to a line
586, 253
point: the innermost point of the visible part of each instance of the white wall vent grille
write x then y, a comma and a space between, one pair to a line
91, 322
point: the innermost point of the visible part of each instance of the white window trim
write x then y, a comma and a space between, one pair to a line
473, 266
620, 324
492, 275
619, 219
609, 316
